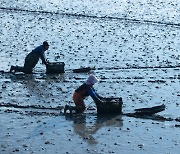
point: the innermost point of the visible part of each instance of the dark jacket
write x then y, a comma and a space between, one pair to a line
40, 52
85, 90
33, 57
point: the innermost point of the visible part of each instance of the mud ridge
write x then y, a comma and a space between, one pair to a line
32, 113
24, 77
155, 117
94, 16
31, 106
137, 67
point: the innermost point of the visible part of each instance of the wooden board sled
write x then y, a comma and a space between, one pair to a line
84, 69
150, 111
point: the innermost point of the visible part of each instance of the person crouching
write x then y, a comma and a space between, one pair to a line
85, 90
32, 59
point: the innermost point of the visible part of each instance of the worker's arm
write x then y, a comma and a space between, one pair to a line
42, 56
105, 98
40, 51
94, 96
100, 97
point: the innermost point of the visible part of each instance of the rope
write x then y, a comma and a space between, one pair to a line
94, 16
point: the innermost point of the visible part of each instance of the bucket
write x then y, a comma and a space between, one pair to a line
55, 68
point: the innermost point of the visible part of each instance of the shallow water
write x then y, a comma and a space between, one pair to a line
123, 40
86, 134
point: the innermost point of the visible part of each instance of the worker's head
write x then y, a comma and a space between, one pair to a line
91, 80
46, 45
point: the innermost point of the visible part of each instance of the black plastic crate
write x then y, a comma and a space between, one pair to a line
55, 68
112, 106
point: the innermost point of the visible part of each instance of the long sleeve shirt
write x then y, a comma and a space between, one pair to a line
85, 90
94, 95
40, 52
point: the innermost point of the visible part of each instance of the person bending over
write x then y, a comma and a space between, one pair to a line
85, 90
32, 59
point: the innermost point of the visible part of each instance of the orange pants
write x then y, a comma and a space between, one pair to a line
79, 102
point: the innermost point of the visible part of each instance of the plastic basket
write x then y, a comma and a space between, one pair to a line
55, 67
113, 107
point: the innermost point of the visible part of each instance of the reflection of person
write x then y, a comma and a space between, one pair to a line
88, 129
32, 59
85, 90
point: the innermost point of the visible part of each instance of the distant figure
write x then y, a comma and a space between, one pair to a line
32, 59
85, 90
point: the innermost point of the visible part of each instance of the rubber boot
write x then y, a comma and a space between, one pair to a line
18, 69
70, 108
12, 69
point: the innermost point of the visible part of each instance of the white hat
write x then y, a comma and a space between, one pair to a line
91, 80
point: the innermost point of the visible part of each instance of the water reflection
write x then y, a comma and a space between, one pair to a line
87, 126
40, 89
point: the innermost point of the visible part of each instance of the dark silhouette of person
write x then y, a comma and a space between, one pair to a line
32, 59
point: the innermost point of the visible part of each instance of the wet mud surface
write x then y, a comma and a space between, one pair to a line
133, 48
33, 117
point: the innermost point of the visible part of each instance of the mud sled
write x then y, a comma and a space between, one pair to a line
149, 111
84, 70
